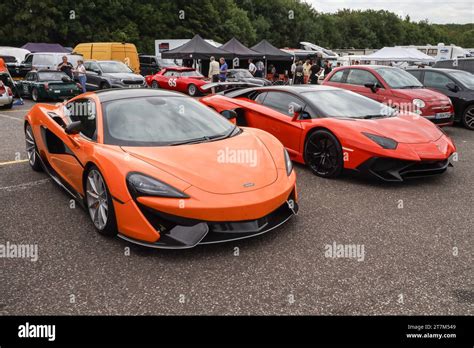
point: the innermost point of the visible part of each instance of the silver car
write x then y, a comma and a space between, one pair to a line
6, 96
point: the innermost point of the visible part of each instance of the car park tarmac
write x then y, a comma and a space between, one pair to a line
417, 239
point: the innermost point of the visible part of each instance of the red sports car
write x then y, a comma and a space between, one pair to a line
396, 88
176, 78
331, 129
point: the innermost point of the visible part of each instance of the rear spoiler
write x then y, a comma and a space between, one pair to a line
225, 87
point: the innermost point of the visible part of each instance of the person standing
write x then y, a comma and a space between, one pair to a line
223, 70
315, 71
66, 67
292, 71
260, 68
299, 74
306, 70
327, 68
81, 75
252, 67
213, 70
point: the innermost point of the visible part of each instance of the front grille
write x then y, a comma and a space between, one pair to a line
397, 170
133, 82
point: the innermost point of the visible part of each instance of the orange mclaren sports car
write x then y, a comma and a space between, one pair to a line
160, 169
331, 130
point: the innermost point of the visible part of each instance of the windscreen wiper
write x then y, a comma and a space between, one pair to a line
366, 117
190, 141
225, 136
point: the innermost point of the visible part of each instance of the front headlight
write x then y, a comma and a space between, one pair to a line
419, 103
384, 142
116, 80
142, 185
288, 163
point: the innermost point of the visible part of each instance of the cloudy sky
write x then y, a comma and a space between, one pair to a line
436, 11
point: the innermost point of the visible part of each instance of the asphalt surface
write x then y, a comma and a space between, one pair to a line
418, 258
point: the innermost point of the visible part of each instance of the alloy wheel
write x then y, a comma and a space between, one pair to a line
30, 146
322, 155
469, 118
97, 204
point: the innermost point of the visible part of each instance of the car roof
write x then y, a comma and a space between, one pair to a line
180, 68
102, 61
48, 71
56, 53
367, 66
300, 88
436, 69
107, 95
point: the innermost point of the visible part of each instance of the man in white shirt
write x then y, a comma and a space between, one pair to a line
252, 67
214, 70
293, 70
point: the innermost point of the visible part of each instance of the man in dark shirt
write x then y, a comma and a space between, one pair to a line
66, 67
327, 68
314, 73
299, 74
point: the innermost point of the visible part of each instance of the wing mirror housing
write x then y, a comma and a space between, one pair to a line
66, 79
297, 109
373, 86
452, 87
73, 128
229, 114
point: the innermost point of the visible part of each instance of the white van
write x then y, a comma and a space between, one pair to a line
48, 60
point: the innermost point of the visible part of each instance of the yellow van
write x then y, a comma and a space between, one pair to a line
123, 52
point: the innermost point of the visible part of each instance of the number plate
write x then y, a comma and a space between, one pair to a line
442, 115
57, 91
134, 86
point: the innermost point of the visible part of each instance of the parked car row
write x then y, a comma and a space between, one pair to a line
443, 96
161, 178
438, 95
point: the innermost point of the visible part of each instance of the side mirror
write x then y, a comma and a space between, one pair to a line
452, 87
296, 108
373, 86
97, 72
73, 127
66, 79
229, 114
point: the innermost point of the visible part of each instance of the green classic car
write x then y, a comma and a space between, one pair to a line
48, 84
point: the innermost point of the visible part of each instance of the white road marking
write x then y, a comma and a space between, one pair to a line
13, 162
16, 110
12, 118
24, 186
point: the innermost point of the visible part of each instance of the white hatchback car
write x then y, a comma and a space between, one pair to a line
6, 96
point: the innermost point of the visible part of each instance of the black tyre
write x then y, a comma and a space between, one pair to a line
31, 149
323, 154
99, 203
192, 90
468, 117
35, 95
155, 84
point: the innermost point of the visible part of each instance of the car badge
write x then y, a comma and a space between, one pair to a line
248, 184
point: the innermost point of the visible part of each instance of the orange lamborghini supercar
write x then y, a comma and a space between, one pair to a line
160, 169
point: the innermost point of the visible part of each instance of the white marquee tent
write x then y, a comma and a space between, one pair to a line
399, 54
